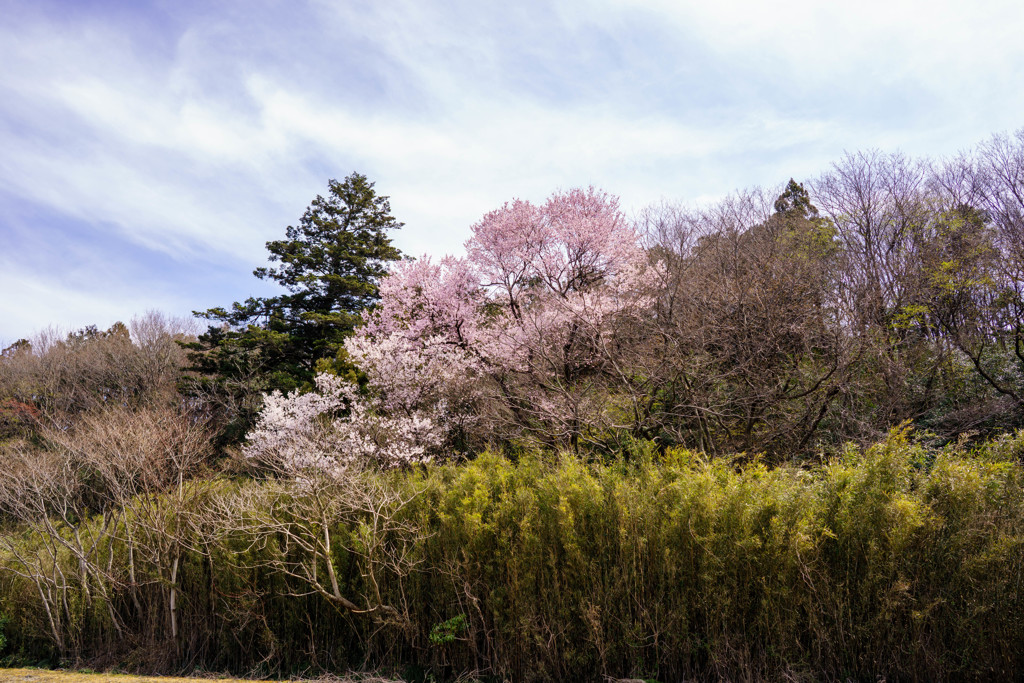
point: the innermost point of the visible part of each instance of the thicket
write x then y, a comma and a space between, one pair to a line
773, 438
897, 560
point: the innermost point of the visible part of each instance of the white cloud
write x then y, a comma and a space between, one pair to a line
206, 142
64, 305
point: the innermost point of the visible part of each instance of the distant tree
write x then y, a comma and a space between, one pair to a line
56, 377
330, 265
974, 264
19, 347
795, 200
749, 352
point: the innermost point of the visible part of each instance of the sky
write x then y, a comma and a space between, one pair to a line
149, 149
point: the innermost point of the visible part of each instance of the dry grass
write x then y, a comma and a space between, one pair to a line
49, 676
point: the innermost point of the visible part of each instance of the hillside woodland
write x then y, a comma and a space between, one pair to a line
777, 437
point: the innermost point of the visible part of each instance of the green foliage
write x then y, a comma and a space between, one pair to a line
330, 265
795, 200
898, 560
447, 631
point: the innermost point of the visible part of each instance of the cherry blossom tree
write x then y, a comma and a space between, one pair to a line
334, 428
523, 331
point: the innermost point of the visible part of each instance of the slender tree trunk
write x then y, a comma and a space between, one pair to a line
174, 599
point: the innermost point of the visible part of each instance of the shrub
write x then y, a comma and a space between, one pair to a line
896, 560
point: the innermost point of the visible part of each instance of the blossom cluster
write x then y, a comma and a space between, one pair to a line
534, 303
335, 426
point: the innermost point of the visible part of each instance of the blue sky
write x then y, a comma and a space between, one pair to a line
148, 150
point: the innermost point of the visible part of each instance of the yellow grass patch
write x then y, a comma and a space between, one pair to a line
48, 676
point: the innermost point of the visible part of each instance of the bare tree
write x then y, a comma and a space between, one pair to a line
750, 349
976, 261
61, 375
115, 480
305, 527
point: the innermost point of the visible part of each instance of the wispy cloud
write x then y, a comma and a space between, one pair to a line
162, 144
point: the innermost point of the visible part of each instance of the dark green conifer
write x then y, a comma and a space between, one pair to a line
330, 265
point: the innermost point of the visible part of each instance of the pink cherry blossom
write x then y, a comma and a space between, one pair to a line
525, 320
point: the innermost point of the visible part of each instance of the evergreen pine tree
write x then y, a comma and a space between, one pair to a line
330, 265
